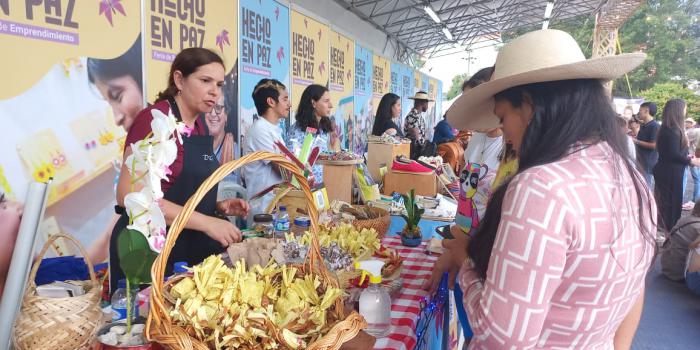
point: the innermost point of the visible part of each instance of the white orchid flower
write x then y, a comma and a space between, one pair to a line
154, 186
145, 214
137, 161
150, 162
166, 125
157, 227
161, 126
162, 155
138, 205
156, 243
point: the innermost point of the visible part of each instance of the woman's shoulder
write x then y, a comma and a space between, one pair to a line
145, 115
586, 166
142, 123
568, 170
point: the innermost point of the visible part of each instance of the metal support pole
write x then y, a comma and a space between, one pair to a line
34, 207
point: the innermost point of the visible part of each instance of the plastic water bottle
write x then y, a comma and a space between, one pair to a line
282, 222
119, 302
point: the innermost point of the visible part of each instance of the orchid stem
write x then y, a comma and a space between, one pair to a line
128, 306
134, 181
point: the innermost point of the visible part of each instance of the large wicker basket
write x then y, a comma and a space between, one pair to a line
58, 323
160, 327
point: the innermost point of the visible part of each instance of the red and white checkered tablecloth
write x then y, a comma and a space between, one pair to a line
405, 308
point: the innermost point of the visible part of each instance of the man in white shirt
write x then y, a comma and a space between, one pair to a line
272, 102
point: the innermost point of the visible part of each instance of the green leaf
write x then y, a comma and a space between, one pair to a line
135, 256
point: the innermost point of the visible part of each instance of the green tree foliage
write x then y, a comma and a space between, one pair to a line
662, 92
668, 31
456, 87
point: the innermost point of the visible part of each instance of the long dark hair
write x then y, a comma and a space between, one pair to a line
384, 111
187, 62
128, 64
305, 117
673, 118
566, 113
480, 77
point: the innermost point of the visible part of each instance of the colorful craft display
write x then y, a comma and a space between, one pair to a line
339, 156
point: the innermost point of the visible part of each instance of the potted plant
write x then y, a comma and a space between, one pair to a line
411, 235
140, 242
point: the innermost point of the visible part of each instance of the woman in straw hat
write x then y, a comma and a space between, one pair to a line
560, 257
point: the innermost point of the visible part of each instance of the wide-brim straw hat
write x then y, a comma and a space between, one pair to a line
538, 56
421, 96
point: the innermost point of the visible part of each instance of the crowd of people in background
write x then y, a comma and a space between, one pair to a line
545, 144
667, 154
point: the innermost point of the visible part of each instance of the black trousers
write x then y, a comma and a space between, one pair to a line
668, 190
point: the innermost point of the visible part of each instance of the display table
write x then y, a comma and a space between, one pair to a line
406, 307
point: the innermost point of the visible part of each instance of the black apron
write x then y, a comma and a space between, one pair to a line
191, 246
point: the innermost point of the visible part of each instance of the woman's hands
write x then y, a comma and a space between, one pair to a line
222, 231
450, 261
233, 207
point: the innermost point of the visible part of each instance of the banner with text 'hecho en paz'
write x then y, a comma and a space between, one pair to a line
310, 46
342, 68
172, 26
381, 80
431, 117
265, 52
72, 84
364, 112
395, 84
418, 81
407, 88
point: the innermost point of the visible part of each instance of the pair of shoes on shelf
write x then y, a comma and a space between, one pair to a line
403, 164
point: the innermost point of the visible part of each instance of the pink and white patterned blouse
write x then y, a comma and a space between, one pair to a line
569, 260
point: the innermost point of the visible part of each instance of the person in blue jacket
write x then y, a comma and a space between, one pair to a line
443, 132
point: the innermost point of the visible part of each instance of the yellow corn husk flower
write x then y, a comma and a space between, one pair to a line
235, 307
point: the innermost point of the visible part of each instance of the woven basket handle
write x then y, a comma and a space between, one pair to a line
54, 238
314, 259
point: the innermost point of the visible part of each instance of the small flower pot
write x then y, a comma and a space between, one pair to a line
411, 242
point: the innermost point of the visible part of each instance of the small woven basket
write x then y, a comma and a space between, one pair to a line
160, 326
380, 224
58, 323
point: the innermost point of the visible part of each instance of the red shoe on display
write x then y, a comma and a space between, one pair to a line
402, 164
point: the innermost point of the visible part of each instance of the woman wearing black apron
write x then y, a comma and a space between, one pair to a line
194, 86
